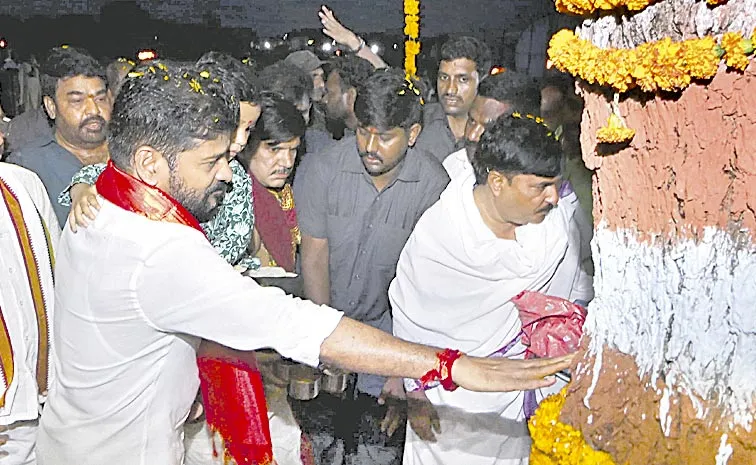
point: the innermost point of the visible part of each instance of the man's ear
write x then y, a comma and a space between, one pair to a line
151, 167
414, 133
496, 182
50, 107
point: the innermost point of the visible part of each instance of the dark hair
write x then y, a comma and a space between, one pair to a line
66, 62
386, 100
113, 72
279, 121
515, 146
288, 80
519, 90
352, 70
171, 108
470, 48
239, 77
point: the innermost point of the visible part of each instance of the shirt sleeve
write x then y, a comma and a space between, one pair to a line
87, 175
186, 287
311, 196
231, 229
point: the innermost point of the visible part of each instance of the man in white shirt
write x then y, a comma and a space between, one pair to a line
493, 234
29, 232
141, 285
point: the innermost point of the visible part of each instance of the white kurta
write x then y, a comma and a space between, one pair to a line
22, 401
457, 164
133, 298
453, 288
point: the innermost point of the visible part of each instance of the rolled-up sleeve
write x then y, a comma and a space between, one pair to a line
186, 287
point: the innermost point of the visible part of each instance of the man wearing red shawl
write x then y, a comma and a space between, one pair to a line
269, 159
142, 285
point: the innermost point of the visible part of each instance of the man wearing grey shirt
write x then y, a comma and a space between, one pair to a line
75, 97
357, 204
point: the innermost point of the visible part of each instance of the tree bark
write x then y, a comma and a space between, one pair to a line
668, 373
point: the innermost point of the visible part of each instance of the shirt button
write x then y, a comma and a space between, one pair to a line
352, 303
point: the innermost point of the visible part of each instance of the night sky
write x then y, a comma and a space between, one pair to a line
275, 17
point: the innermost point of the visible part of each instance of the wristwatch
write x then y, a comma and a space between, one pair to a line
359, 47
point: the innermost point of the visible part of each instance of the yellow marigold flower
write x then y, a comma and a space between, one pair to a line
412, 47
614, 132
412, 28
412, 7
716, 2
204, 74
700, 57
734, 46
195, 85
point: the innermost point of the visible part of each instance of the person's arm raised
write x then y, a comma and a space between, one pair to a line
343, 36
360, 348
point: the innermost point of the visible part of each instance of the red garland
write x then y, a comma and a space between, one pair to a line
443, 373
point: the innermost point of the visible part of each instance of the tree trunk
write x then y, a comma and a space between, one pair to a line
669, 370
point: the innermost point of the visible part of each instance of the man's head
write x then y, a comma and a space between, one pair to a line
292, 83
389, 112
346, 75
273, 144
520, 163
75, 95
465, 62
313, 66
171, 128
499, 94
116, 73
239, 80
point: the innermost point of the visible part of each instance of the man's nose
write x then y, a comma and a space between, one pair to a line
91, 107
453, 87
224, 173
372, 144
552, 195
287, 158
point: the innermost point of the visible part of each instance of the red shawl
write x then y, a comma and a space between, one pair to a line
232, 388
276, 222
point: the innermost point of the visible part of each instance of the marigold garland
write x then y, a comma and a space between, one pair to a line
412, 31
556, 443
585, 7
653, 66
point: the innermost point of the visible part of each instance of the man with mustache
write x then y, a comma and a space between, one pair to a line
140, 287
76, 98
465, 63
357, 204
502, 228
269, 159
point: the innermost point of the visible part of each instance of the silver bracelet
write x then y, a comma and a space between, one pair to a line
359, 47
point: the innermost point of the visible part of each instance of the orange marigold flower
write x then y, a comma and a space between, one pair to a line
614, 132
734, 46
701, 57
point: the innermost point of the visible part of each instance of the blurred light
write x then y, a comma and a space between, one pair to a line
338, 52
311, 41
156, 37
3, 43
327, 47
144, 55
375, 48
286, 36
497, 70
267, 45
396, 46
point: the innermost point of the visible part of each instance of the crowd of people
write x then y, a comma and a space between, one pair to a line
401, 226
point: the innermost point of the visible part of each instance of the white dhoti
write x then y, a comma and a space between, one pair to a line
453, 288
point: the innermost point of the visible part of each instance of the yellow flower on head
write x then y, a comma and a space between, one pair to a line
204, 74
195, 85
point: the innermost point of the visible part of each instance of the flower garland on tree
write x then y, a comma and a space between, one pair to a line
412, 31
587, 7
556, 443
662, 65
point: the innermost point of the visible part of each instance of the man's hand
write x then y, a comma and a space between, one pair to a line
423, 417
503, 374
336, 31
393, 395
84, 205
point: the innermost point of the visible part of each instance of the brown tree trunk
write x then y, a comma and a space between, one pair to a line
669, 370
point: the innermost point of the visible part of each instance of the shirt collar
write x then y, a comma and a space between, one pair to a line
409, 171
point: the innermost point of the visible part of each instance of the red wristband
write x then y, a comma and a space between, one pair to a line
442, 374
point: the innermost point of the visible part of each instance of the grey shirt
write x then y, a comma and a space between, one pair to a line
437, 137
366, 229
54, 165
